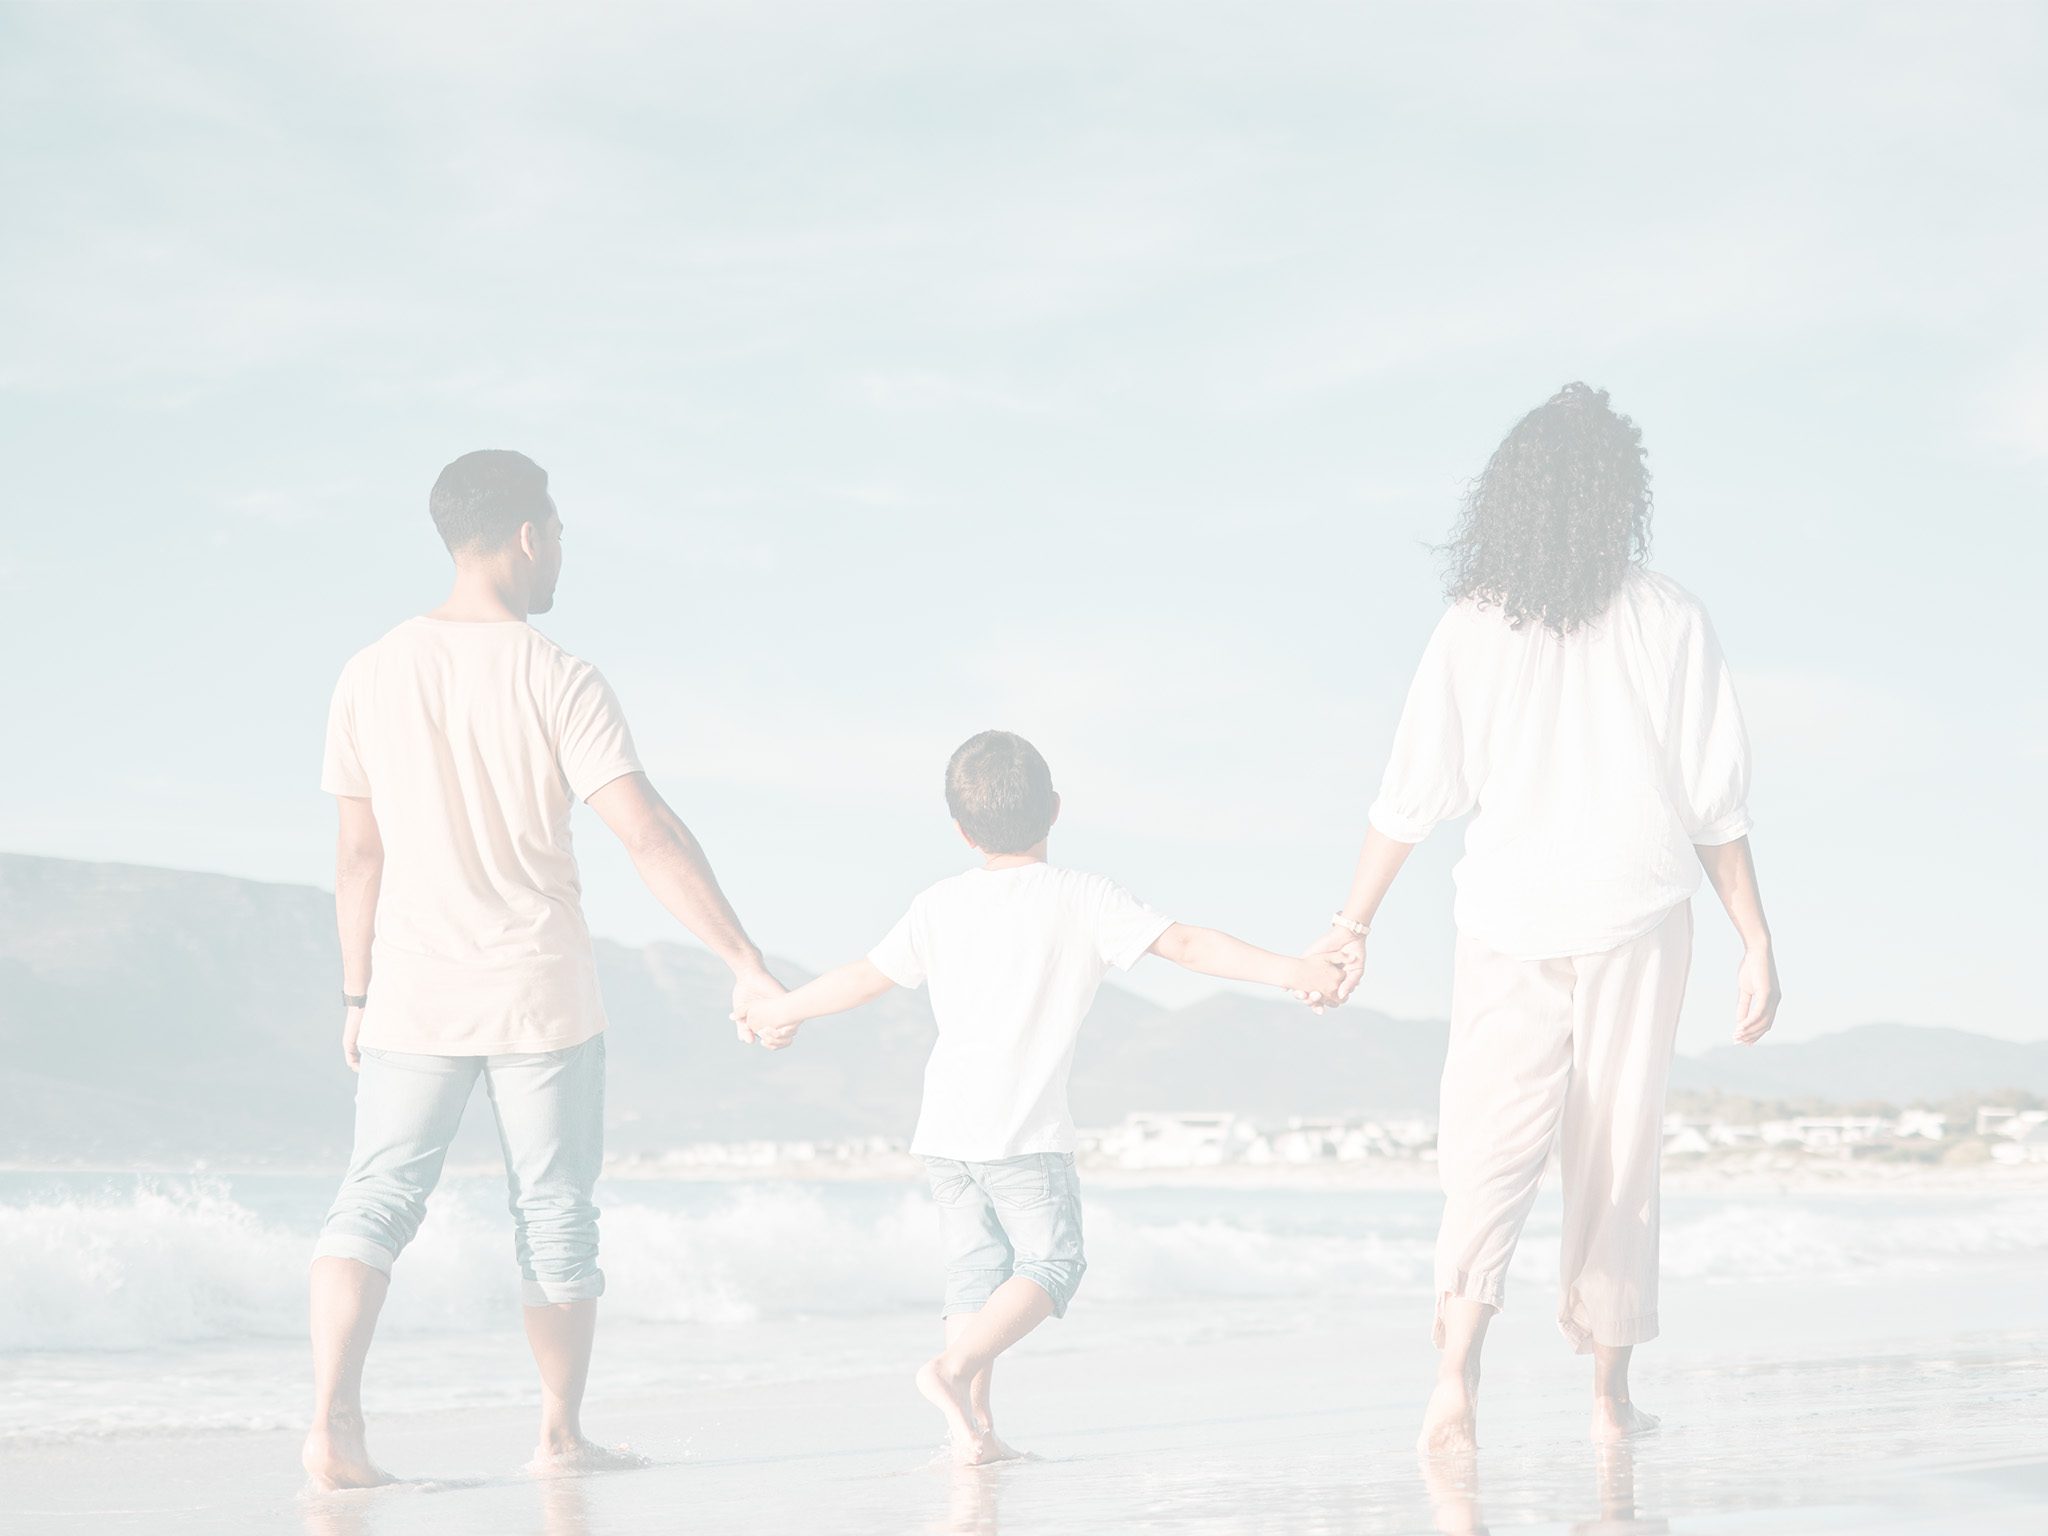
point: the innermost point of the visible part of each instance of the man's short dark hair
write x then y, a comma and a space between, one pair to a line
483, 499
1000, 791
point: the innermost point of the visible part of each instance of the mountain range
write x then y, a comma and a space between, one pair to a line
161, 1016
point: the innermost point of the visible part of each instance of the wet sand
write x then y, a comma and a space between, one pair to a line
1896, 1407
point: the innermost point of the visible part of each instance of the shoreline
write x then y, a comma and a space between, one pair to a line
1759, 1173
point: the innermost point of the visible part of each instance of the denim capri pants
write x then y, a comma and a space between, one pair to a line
1013, 1216
550, 1111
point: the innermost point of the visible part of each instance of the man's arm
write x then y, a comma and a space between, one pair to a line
1218, 954
1732, 870
358, 872
672, 863
775, 1019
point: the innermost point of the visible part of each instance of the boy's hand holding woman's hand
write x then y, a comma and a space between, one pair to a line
1319, 981
1345, 951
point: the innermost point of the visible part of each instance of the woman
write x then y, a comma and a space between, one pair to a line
1578, 705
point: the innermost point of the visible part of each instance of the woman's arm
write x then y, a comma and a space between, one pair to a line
1732, 870
1379, 860
775, 1019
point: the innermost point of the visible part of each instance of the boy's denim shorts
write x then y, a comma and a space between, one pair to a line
1014, 1216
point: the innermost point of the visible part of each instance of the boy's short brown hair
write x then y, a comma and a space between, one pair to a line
1000, 791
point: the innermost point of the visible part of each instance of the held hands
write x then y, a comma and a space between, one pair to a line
764, 1018
754, 1008
1319, 981
1346, 952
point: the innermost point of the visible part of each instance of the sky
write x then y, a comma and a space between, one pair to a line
1103, 373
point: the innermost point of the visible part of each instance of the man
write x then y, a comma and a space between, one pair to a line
456, 747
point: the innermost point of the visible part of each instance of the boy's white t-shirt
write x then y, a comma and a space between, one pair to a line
472, 742
1014, 958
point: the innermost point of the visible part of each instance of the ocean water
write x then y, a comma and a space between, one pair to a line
136, 1305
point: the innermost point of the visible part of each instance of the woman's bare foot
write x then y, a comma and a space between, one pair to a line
335, 1457
994, 1445
950, 1398
580, 1456
1615, 1419
1449, 1423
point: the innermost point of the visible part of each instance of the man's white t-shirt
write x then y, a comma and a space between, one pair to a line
1593, 763
1014, 958
472, 742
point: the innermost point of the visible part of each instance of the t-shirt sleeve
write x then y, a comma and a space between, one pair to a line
341, 767
594, 745
1711, 776
1125, 928
902, 956
1427, 778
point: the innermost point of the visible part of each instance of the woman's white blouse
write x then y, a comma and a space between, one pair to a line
1594, 763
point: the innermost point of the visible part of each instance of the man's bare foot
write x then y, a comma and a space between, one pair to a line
1449, 1423
335, 1457
1615, 1419
580, 1457
950, 1398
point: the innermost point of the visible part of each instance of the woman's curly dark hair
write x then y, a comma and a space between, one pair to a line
1560, 513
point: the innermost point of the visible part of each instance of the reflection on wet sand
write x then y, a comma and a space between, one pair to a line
1615, 1473
971, 1504
332, 1517
563, 1508
1453, 1486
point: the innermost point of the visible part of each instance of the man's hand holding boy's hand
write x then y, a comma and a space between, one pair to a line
766, 1021
750, 988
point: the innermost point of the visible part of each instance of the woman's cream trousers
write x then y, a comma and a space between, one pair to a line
1572, 1053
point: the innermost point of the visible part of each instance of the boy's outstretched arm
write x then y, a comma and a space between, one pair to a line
774, 1020
1218, 954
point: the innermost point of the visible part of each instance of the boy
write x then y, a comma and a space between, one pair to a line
1014, 952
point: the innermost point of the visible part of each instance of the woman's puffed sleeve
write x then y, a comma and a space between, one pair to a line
1711, 778
1428, 778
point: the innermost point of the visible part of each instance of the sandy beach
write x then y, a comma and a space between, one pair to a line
1240, 1360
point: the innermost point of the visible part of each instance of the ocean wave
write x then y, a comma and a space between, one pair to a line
166, 1264
179, 1263
175, 1264
1748, 1240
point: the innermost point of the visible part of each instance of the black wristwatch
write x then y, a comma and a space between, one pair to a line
362, 1001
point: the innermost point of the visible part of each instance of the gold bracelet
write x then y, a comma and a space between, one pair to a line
1361, 929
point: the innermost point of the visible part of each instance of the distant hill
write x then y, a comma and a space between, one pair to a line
1897, 1063
154, 1015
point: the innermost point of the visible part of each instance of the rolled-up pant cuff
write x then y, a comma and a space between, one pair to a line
1612, 1333
548, 1293
1488, 1288
1058, 1278
346, 1245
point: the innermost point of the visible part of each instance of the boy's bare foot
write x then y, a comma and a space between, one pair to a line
1449, 1423
336, 1457
582, 1456
1615, 1419
950, 1398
